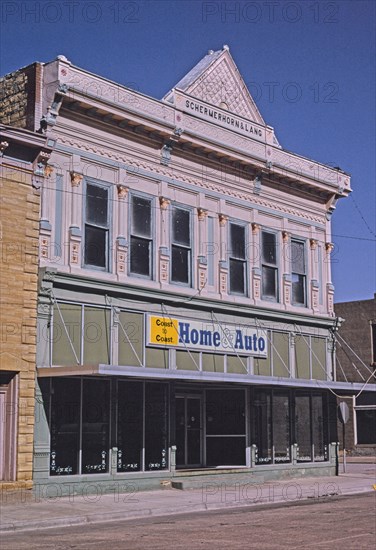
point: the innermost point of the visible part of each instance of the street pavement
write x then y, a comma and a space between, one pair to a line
22, 512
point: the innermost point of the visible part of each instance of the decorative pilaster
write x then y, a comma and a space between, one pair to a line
121, 241
164, 254
329, 287
75, 235
223, 265
287, 284
256, 283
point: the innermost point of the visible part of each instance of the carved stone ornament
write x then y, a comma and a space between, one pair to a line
201, 213
313, 243
329, 247
3, 146
76, 179
122, 191
222, 219
164, 203
48, 170
255, 228
285, 236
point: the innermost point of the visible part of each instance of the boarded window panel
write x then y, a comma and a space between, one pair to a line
302, 356
236, 365
156, 358
318, 358
96, 336
62, 353
262, 367
186, 361
281, 354
212, 362
132, 325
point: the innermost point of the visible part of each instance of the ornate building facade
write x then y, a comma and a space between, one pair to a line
185, 314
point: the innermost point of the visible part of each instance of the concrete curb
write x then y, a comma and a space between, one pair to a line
73, 521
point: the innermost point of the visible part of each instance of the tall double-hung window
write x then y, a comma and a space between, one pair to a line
269, 265
181, 246
298, 273
141, 244
96, 226
237, 259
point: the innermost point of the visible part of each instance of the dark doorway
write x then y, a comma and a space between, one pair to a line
188, 431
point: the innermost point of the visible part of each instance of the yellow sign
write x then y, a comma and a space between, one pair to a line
163, 331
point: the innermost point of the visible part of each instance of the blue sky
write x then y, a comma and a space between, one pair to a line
310, 66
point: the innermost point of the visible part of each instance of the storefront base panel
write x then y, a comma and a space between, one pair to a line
130, 485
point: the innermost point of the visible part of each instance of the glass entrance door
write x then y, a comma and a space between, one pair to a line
188, 431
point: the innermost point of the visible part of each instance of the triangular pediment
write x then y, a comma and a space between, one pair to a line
217, 80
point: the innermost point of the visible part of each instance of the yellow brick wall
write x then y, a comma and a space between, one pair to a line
19, 214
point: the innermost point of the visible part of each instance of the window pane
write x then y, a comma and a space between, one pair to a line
281, 428
180, 264
269, 252
181, 227
298, 289
140, 256
96, 204
141, 217
95, 246
262, 426
303, 428
95, 426
131, 330
269, 283
65, 419
237, 241
156, 423
129, 429
366, 426
225, 412
237, 276
318, 429
297, 257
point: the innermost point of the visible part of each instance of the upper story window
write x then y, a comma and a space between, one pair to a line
96, 226
141, 244
181, 248
373, 342
298, 272
269, 265
237, 260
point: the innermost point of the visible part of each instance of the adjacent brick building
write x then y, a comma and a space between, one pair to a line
24, 155
356, 361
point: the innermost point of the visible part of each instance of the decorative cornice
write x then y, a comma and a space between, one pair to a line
163, 170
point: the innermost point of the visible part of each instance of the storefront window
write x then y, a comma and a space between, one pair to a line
65, 426
303, 428
262, 426
156, 426
281, 427
95, 426
129, 426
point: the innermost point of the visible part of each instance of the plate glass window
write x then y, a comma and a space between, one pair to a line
141, 237
269, 266
181, 250
237, 259
96, 226
298, 272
